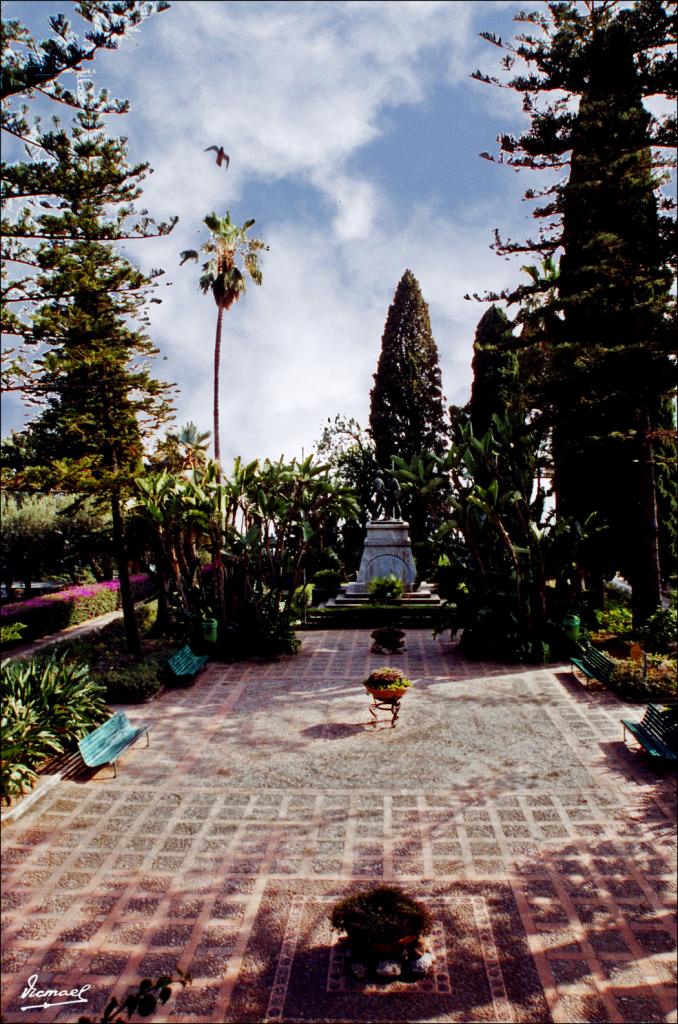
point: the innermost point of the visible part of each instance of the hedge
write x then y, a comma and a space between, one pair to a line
408, 615
51, 613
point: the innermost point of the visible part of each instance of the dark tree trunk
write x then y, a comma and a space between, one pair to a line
217, 359
126, 598
164, 619
646, 582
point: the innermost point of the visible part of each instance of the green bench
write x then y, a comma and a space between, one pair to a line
110, 740
657, 732
593, 664
184, 666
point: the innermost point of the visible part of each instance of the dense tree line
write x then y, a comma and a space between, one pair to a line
602, 321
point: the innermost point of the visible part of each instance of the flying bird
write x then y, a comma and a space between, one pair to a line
221, 155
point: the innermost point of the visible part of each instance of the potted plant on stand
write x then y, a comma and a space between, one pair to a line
386, 686
386, 933
388, 640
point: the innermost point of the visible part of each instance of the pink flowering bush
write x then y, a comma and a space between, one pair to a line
51, 612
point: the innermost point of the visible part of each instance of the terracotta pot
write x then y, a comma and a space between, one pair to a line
387, 694
381, 949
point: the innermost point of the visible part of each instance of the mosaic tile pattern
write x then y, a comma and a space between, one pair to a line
504, 795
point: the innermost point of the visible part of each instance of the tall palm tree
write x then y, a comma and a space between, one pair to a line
232, 257
193, 445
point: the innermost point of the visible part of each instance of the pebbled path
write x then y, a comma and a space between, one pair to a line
504, 797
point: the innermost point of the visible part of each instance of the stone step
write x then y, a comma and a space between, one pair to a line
414, 598
369, 616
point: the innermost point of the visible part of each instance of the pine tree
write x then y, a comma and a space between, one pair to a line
406, 403
28, 65
31, 73
609, 314
614, 291
81, 303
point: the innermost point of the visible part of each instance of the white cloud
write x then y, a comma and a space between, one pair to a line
293, 91
290, 90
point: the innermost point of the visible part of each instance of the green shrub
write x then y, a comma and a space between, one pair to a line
135, 682
66, 699
653, 679
616, 619
328, 579
383, 589
12, 633
382, 915
659, 632
126, 679
47, 705
24, 743
263, 631
301, 599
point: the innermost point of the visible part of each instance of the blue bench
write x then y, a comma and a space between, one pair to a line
107, 743
657, 733
185, 665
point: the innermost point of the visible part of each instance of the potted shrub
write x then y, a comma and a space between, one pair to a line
386, 930
387, 683
326, 585
388, 640
385, 589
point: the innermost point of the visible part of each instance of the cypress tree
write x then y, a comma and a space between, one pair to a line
407, 418
495, 370
406, 403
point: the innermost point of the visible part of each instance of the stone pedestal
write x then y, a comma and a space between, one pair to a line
387, 552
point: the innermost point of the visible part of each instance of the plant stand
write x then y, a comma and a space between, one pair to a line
391, 704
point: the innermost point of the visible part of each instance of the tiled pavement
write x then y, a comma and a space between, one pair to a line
504, 797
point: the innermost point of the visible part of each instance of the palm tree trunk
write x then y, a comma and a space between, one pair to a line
646, 581
126, 596
217, 359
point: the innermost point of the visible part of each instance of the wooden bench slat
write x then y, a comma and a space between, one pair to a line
108, 741
657, 732
185, 664
593, 663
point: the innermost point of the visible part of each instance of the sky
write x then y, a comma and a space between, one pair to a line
354, 131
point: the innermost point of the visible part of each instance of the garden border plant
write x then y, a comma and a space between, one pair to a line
51, 613
48, 704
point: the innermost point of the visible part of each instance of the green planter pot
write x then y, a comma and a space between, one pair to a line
209, 630
571, 625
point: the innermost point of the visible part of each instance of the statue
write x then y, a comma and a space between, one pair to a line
378, 496
386, 499
392, 499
